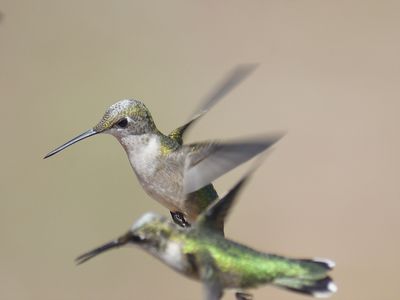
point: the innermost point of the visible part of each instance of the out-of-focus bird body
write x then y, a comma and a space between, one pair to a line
203, 253
238, 266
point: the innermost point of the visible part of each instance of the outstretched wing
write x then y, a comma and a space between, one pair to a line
206, 162
233, 79
214, 216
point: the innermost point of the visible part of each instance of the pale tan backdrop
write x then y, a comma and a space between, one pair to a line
329, 75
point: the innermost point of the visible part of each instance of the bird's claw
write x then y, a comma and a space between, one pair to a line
179, 219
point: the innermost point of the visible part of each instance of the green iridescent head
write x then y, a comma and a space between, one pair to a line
152, 227
126, 117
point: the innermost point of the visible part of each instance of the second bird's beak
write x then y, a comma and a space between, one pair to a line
80, 137
110, 245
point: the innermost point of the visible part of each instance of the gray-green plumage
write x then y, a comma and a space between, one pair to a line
178, 176
201, 252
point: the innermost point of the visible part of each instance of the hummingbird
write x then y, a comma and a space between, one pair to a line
177, 175
201, 252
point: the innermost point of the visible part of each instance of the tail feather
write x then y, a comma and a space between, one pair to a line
313, 281
325, 263
321, 288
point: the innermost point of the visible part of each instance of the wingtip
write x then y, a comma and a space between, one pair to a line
268, 140
248, 67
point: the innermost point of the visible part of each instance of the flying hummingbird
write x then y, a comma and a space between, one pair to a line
178, 176
201, 252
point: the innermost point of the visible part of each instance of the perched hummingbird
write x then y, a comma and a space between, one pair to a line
201, 252
178, 176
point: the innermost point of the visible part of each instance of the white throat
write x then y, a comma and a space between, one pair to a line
143, 151
172, 255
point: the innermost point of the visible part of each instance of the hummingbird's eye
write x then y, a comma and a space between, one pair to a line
122, 123
137, 238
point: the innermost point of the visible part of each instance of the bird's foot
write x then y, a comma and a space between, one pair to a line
179, 219
243, 296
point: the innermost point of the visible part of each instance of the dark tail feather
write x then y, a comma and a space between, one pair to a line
321, 288
314, 282
324, 263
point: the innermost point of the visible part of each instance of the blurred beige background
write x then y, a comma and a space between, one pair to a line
329, 75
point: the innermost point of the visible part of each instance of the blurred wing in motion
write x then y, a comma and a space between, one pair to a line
235, 77
214, 216
208, 161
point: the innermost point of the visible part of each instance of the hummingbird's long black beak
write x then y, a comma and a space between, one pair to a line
110, 245
80, 137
